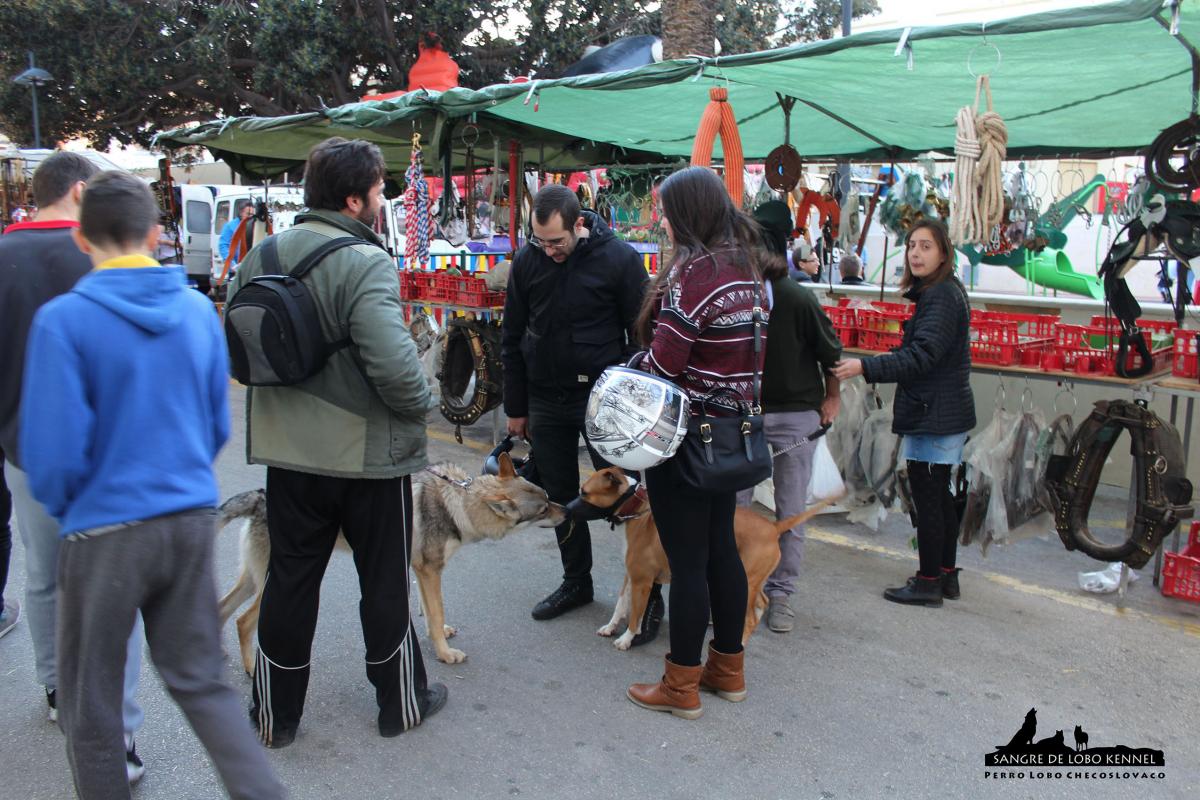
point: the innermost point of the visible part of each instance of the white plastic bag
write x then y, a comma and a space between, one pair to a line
826, 482
1106, 580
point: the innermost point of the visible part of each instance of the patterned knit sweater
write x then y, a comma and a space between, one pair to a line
704, 332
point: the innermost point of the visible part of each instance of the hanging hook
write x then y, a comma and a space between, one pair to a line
1002, 396
1066, 388
976, 48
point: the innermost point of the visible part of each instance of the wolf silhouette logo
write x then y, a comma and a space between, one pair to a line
1024, 736
1081, 738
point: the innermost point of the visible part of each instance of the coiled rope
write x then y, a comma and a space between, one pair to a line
980, 144
718, 119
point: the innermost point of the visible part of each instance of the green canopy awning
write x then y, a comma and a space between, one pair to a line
1100, 79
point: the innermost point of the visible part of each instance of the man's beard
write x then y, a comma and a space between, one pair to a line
368, 216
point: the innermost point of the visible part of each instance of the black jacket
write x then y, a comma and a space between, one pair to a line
37, 264
801, 345
564, 323
932, 365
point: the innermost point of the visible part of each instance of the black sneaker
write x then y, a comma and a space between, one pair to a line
429, 703
652, 619
563, 599
919, 591
52, 701
134, 768
274, 740
950, 589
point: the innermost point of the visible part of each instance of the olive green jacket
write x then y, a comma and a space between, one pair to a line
363, 415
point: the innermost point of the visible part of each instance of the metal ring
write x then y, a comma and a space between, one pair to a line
974, 50
1027, 393
473, 129
1002, 397
1160, 465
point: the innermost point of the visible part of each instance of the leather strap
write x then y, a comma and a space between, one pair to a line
1163, 493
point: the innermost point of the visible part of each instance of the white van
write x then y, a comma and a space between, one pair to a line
205, 209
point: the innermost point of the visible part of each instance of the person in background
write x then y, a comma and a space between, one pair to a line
699, 322
805, 267
243, 211
851, 269
38, 262
798, 396
934, 408
573, 293
124, 409
10, 610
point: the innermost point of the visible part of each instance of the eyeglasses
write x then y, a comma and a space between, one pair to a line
560, 244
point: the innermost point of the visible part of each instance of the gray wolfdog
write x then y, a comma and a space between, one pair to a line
449, 510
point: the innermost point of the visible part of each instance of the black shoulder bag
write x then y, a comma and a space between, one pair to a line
723, 454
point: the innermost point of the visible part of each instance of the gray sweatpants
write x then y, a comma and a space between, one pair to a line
791, 476
164, 567
40, 535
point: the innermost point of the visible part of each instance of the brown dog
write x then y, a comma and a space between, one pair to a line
646, 562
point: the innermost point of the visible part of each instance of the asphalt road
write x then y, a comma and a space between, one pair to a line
865, 699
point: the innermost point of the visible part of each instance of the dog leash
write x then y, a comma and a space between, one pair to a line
460, 484
812, 437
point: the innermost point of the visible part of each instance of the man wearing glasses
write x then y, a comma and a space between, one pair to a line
573, 293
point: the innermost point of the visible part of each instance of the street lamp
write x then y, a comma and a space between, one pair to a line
33, 78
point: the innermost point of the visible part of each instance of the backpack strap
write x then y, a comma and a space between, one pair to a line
271, 266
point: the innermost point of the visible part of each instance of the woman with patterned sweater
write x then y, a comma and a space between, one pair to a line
700, 318
934, 408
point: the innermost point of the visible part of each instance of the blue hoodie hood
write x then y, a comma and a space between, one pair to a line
153, 298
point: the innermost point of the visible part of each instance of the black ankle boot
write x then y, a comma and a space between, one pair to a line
919, 591
652, 619
950, 584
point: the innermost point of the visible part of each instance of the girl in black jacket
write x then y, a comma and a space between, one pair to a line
934, 408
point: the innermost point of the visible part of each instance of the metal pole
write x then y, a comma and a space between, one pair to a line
847, 15
37, 131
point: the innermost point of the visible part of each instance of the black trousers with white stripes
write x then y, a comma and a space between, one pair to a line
305, 512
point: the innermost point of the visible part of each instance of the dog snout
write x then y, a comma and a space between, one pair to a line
555, 515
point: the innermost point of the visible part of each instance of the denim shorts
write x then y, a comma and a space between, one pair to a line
931, 449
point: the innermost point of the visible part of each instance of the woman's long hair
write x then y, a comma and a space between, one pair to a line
941, 236
703, 220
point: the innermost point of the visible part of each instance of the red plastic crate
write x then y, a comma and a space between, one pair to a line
1153, 325
1184, 362
880, 330
1036, 326
845, 322
1002, 342
1074, 344
1181, 571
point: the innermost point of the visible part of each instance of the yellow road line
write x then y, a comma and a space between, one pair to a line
1085, 603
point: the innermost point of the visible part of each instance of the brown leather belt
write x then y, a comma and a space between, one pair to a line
1164, 494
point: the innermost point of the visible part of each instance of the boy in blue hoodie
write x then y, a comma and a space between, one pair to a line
124, 410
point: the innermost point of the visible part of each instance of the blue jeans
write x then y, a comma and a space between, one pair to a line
932, 449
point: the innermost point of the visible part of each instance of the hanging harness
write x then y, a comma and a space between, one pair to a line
471, 348
1174, 223
1163, 496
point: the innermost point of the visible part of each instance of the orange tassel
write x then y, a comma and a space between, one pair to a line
718, 119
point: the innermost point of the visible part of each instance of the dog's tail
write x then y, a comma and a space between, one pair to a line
241, 506
785, 525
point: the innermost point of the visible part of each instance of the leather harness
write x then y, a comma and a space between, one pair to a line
1163, 492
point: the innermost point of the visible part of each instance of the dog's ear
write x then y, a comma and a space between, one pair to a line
507, 470
501, 505
615, 478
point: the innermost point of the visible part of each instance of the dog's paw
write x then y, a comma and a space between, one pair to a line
624, 641
607, 630
449, 631
452, 656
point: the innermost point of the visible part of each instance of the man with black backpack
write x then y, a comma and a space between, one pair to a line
336, 410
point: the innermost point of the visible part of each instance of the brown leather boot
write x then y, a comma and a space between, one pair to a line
676, 692
724, 674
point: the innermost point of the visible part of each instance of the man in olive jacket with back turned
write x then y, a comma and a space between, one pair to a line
340, 448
